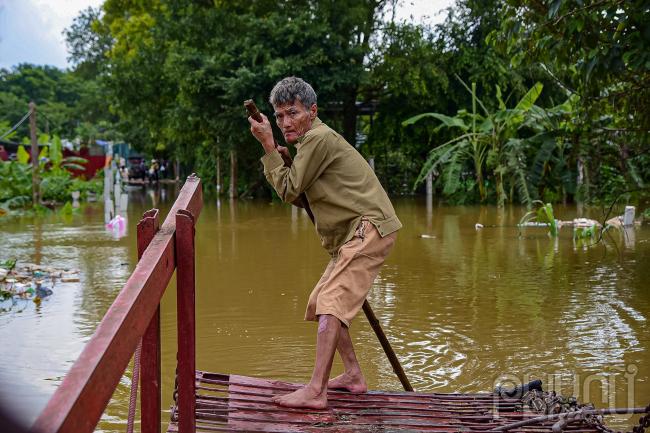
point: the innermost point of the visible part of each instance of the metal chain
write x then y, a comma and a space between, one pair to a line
550, 402
175, 395
644, 422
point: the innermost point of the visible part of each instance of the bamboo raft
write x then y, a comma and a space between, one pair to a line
232, 403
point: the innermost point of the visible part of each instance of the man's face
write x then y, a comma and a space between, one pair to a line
294, 119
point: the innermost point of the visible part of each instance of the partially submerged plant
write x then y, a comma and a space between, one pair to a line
542, 215
584, 232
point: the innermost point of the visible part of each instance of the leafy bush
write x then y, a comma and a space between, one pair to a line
55, 185
94, 186
15, 184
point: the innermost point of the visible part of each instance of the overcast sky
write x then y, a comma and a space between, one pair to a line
31, 30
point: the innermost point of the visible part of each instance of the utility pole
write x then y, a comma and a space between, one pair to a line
233, 174
34, 140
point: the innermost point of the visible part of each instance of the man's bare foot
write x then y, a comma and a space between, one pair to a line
355, 383
306, 397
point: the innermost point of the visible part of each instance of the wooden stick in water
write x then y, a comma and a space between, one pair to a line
385, 344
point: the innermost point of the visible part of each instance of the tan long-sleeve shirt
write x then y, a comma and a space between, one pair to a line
338, 182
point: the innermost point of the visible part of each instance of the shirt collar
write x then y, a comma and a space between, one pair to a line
314, 124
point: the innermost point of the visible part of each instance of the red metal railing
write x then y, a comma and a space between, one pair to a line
80, 400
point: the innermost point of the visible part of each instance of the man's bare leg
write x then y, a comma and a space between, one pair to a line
314, 394
352, 379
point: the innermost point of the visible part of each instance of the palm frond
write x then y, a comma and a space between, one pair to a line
73, 166
452, 173
547, 145
516, 162
437, 157
75, 160
634, 173
447, 121
527, 102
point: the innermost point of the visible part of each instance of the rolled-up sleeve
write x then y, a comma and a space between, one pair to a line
310, 162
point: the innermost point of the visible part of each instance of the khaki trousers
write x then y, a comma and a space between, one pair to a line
347, 279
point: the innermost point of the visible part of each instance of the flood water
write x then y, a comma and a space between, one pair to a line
465, 309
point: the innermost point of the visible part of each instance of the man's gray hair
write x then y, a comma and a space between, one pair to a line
288, 89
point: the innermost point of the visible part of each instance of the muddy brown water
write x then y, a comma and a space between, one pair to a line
465, 309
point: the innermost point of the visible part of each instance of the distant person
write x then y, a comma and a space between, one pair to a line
354, 218
154, 171
124, 172
143, 170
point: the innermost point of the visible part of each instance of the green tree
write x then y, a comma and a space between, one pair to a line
87, 43
182, 70
599, 52
64, 100
407, 76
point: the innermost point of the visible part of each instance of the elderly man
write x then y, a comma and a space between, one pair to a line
354, 218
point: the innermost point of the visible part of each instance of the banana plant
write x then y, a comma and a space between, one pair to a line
488, 139
15, 184
470, 144
544, 215
57, 159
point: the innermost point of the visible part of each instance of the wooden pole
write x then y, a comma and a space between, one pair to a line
150, 365
34, 153
185, 304
218, 170
385, 344
232, 193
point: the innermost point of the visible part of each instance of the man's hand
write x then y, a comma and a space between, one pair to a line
263, 133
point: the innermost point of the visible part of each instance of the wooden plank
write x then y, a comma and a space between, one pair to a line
150, 366
79, 401
185, 277
247, 407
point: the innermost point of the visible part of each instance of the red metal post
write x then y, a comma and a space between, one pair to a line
186, 320
150, 400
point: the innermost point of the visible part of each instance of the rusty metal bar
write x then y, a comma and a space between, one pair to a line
80, 400
185, 291
150, 367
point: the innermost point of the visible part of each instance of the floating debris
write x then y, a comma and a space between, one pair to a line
117, 223
30, 281
424, 236
625, 220
533, 224
581, 223
478, 226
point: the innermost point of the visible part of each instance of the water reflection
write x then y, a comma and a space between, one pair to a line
462, 308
